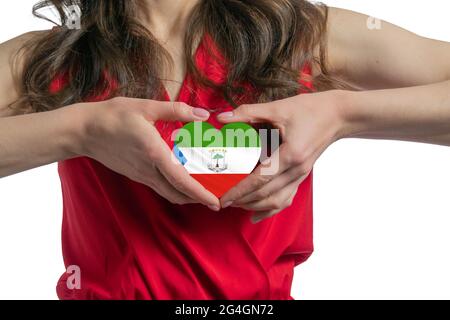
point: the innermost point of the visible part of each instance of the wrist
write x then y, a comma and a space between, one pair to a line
349, 114
75, 137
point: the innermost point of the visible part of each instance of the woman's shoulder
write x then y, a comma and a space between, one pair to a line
12, 57
13, 47
24, 37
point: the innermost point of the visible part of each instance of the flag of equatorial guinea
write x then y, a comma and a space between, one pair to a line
218, 159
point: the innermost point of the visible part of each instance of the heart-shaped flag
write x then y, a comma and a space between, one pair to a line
218, 159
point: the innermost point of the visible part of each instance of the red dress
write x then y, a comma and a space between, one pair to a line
130, 243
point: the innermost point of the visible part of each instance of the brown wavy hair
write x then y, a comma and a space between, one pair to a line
265, 44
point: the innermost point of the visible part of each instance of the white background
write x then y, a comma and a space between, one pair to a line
382, 209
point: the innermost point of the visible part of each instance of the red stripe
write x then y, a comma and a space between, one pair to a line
219, 184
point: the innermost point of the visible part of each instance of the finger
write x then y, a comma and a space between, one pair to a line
180, 179
167, 191
291, 175
263, 174
263, 215
174, 111
277, 201
250, 113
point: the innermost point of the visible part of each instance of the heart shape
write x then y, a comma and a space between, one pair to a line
218, 159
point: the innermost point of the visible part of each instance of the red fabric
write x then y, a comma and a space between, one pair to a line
132, 244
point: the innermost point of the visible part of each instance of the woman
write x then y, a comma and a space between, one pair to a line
97, 100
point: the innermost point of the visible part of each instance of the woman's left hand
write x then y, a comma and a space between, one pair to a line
308, 124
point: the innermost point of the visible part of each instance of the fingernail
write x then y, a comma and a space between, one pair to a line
224, 115
255, 220
201, 113
227, 204
214, 208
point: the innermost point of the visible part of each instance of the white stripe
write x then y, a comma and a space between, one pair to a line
237, 160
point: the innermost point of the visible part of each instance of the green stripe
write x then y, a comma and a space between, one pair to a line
203, 134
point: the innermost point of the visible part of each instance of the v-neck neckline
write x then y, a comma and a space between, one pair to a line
183, 86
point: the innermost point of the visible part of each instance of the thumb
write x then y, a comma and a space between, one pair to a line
179, 111
249, 113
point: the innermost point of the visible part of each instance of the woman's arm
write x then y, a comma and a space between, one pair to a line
376, 54
379, 55
25, 142
310, 123
420, 114
33, 140
119, 133
409, 99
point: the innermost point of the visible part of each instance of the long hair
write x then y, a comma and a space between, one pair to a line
265, 43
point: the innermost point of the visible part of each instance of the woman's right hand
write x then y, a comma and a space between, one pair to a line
120, 133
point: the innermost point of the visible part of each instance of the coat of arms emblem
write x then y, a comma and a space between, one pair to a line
217, 162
